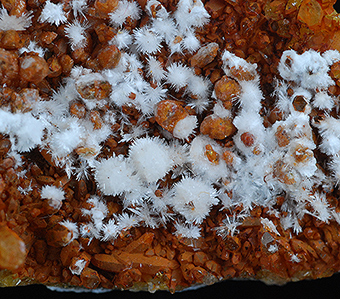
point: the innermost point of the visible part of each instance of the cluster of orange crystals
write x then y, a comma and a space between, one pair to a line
32, 242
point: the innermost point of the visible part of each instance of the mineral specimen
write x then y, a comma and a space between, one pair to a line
165, 144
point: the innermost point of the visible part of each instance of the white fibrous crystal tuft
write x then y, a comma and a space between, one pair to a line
72, 227
97, 211
110, 230
320, 206
155, 69
322, 100
151, 158
79, 7
251, 96
200, 163
229, 226
166, 27
122, 39
147, 40
124, 10
151, 96
193, 198
310, 69
33, 47
198, 86
190, 41
330, 144
78, 267
64, 139
178, 75
125, 221
185, 127
12, 22
76, 32
269, 225
25, 129
53, 13
54, 195
115, 176
189, 231
191, 13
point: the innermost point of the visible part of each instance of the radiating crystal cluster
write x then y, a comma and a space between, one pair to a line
162, 144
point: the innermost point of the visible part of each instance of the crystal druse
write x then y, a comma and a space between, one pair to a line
165, 144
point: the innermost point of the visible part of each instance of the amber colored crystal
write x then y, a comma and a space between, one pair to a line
227, 89
228, 157
168, 113
215, 8
109, 57
11, 40
282, 137
33, 68
66, 63
9, 67
54, 66
217, 127
204, 55
78, 109
310, 12
335, 70
247, 138
94, 90
15, 7
212, 156
293, 6
104, 7
12, 249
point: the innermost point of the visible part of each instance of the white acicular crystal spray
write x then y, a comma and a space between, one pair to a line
115, 176
159, 166
200, 163
12, 22
54, 195
193, 198
53, 13
310, 69
185, 127
22, 127
76, 32
151, 158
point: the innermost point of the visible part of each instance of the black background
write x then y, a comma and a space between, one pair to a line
320, 288
337, 6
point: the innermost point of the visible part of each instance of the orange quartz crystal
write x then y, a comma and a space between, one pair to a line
168, 113
36, 248
217, 127
109, 57
12, 249
33, 68
227, 89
